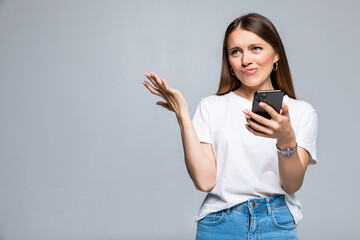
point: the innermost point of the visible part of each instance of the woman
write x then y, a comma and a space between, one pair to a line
250, 169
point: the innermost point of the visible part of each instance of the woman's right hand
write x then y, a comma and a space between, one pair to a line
174, 100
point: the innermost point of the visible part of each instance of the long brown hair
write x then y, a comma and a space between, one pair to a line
263, 27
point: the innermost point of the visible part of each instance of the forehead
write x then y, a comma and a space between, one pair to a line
240, 37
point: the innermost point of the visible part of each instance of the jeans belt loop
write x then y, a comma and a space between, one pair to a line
268, 206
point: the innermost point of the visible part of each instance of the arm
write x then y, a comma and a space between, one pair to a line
292, 168
199, 157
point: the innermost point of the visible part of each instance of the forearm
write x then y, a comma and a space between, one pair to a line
291, 168
200, 166
201, 169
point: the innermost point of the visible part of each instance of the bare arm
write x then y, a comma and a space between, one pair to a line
199, 157
292, 168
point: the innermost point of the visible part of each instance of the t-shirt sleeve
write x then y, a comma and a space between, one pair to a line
201, 121
308, 134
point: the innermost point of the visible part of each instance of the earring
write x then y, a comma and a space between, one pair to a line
276, 66
232, 72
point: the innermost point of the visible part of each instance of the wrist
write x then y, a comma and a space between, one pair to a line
287, 152
286, 142
181, 115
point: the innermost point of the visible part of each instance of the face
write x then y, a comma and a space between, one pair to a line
251, 58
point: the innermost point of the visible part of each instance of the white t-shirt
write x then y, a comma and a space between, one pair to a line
247, 165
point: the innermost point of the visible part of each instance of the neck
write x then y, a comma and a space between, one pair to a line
247, 92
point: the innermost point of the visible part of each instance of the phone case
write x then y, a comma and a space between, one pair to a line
273, 98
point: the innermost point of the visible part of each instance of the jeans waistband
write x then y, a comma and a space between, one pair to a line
261, 204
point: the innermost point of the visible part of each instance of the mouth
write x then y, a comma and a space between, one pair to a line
249, 71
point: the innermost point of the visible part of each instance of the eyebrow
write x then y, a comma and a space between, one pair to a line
251, 45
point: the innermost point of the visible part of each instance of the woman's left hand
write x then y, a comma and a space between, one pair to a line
278, 127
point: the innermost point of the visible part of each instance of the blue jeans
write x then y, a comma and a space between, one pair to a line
260, 218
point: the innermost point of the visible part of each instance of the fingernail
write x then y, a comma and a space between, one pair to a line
152, 74
261, 104
246, 125
246, 111
247, 116
143, 82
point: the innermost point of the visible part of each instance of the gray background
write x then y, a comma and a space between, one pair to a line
86, 154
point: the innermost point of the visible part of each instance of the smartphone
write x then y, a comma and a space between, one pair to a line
273, 98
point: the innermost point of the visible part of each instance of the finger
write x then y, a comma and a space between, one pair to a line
257, 117
259, 128
269, 109
284, 110
250, 129
152, 80
164, 104
158, 81
151, 89
165, 84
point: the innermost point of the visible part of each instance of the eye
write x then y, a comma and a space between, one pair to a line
234, 52
256, 48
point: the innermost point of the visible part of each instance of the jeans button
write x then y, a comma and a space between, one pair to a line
252, 205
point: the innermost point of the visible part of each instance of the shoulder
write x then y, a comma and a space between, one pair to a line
215, 99
300, 106
213, 103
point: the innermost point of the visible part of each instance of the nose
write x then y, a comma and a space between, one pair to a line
245, 60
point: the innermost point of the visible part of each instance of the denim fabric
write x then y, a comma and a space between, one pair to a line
260, 218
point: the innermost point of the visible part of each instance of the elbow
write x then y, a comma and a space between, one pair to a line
204, 188
292, 189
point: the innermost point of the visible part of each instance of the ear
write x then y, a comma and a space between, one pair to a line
276, 58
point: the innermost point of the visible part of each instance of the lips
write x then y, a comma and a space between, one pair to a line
249, 71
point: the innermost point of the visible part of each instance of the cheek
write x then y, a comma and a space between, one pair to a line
234, 63
265, 59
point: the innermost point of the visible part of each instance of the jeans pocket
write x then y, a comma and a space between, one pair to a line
282, 218
213, 218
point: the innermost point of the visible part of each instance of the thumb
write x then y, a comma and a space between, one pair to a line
164, 105
284, 110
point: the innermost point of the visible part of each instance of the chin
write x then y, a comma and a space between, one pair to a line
252, 84
255, 84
